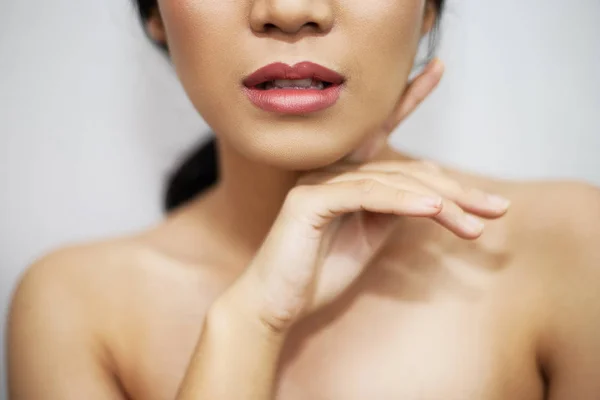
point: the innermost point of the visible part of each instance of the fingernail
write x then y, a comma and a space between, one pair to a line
474, 224
498, 201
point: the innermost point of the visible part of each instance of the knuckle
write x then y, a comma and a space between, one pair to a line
302, 206
298, 191
297, 197
366, 185
451, 208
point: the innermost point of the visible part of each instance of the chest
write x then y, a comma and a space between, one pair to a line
411, 351
373, 346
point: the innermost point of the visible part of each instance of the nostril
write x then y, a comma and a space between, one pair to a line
269, 27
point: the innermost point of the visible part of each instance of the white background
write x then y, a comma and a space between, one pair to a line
92, 117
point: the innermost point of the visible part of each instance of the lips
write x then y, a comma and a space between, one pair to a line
304, 70
303, 88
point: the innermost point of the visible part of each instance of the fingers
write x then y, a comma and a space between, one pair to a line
460, 206
472, 200
320, 204
450, 215
469, 199
456, 220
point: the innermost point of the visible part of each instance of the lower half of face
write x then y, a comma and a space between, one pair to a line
293, 123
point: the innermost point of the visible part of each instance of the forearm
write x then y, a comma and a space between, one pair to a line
236, 358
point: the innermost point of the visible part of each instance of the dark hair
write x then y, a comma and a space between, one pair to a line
199, 169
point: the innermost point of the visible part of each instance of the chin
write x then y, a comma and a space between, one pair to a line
293, 147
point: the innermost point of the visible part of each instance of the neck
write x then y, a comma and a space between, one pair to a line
247, 198
244, 204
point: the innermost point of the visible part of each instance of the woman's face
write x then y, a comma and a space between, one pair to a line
216, 45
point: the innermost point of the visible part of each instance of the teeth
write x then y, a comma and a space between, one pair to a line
297, 83
294, 84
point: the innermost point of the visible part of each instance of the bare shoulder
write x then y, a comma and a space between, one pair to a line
555, 229
559, 222
565, 213
105, 287
555, 225
562, 215
111, 275
69, 278
86, 305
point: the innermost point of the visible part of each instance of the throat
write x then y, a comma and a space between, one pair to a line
244, 204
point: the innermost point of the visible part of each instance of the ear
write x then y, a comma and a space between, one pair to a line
156, 28
416, 91
429, 17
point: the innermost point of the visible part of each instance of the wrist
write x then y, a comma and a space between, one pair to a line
234, 312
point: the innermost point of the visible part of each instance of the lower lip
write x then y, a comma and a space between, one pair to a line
294, 101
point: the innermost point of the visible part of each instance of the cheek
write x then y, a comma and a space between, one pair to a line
200, 34
385, 35
373, 44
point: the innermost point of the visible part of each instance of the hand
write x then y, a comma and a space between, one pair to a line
334, 221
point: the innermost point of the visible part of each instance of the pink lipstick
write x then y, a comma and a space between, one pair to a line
300, 89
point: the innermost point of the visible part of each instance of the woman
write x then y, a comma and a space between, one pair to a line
322, 264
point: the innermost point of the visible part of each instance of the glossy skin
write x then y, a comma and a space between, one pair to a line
511, 315
340, 35
437, 318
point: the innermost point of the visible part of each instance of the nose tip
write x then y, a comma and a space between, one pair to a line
291, 16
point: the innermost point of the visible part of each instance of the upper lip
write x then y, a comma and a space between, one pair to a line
303, 70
